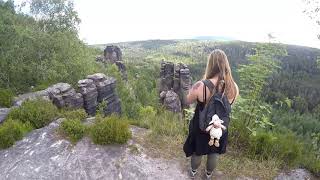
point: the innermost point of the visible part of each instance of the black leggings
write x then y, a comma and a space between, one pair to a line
211, 162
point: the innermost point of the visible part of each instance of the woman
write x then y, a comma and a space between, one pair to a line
218, 74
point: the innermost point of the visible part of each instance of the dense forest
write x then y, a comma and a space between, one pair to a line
276, 119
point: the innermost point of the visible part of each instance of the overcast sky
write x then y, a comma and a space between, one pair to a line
107, 21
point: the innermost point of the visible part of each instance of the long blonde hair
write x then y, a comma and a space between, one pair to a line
218, 65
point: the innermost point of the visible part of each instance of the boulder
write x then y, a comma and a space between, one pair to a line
171, 101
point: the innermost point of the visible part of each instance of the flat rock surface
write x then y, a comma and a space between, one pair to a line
295, 174
42, 154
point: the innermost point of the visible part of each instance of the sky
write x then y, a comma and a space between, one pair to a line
110, 21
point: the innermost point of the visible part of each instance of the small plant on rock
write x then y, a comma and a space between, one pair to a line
73, 129
12, 131
73, 114
110, 130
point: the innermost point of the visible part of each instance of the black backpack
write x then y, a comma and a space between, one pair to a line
217, 104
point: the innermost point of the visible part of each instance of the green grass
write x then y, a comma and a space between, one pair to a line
73, 114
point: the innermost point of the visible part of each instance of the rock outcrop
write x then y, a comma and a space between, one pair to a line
43, 155
171, 100
90, 95
113, 55
175, 82
95, 89
63, 95
106, 92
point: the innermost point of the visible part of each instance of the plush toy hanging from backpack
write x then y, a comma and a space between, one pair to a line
215, 132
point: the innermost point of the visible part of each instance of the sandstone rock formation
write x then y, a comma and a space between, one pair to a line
90, 95
93, 90
171, 100
106, 92
175, 82
112, 53
64, 95
43, 155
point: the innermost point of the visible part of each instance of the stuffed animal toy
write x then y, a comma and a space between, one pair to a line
215, 132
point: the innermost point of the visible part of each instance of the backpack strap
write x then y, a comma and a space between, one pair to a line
233, 100
210, 85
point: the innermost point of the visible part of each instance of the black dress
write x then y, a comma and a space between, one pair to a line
197, 140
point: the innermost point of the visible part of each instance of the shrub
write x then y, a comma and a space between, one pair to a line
110, 130
73, 129
239, 134
73, 114
285, 147
6, 97
11, 131
310, 162
38, 113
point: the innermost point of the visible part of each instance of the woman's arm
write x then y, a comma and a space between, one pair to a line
194, 92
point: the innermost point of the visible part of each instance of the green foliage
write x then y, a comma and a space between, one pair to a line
129, 104
33, 55
6, 97
162, 123
250, 109
145, 115
73, 114
12, 131
110, 130
284, 147
302, 124
55, 15
73, 129
38, 113
167, 123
